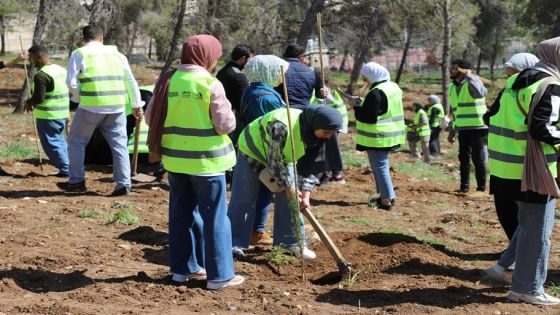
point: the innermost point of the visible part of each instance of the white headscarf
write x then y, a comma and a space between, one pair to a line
375, 72
265, 69
434, 99
521, 61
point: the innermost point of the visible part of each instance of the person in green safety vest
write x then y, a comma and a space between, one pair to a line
436, 114
380, 128
523, 146
420, 131
190, 118
467, 106
50, 103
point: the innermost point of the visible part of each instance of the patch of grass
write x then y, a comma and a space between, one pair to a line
553, 289
17, 149
280, 255
351, 157
352, 278
420, 170
433, 241
440, 204
319, 214
89, 214
124, 216
355, 220
480, 226
122, 205
393, 231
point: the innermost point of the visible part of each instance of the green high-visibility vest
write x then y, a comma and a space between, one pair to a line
338, 103
56, 104
439, 117
389, 130
190, 145
424, 130
254, 139
467, 111
102, 83
142, 139
507, 134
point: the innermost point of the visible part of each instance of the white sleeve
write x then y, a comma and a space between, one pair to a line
131, 85
75, 65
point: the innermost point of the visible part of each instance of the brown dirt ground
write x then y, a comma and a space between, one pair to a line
425, 256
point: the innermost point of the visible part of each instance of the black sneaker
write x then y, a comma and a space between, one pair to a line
123, 191
463, 189
59, 174
481, 188
72, 188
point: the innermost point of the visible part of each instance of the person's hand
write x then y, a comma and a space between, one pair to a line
28, 107
138, 113
305, 203
23, 56
325, 92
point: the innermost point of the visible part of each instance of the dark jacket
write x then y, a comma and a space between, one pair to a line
234, 82
301, 81
542, 115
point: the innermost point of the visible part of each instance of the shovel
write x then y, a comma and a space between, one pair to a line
142, 178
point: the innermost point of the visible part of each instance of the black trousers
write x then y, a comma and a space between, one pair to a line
333, 157
472, 145
434, 141
506, 208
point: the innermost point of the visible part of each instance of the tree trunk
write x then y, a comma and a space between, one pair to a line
495, 49
2, 36
478, 61
446, 57
37, 38
175, 38
363, 51
310, 20
405, 54
344, 60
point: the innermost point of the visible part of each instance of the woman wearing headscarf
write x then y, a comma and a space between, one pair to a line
522, 156
264, 74
380, 128
436, 114
192, 117
265, 148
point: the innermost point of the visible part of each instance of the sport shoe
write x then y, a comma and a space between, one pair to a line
261, 238
307, 253
540, 299
338, 179
72, 188
498, 273
123, 191
237, 252
215, 285
201, 275
59, 174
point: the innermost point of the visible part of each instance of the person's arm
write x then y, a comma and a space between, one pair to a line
423, 121
545, 116
74, 68
433, 115
476, 87
319, 93
132, 89
222, 116
375, 104
11, 62
40, 83
275, 160
493, 109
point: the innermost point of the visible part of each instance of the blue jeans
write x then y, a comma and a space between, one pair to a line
199, 229
379, 163
113, 128
262, 208
52, 140
242, 208
530, 246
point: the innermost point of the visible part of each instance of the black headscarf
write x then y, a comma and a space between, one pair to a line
318, 117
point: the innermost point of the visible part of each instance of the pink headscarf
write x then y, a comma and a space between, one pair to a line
201, 50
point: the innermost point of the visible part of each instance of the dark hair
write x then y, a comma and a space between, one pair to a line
91, 32
38, 50
461, 63
240, 51
294, 51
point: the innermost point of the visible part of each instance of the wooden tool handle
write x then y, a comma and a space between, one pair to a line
135, 151
484, 80
335, 252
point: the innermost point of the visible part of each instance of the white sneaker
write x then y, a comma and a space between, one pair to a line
215, 285
498, 273
307, 253
201, 275
237, 252
541, 299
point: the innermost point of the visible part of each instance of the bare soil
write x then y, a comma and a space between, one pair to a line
424, 257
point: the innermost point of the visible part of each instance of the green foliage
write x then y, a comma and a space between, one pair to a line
422, 171
553, 289
126, 217
89, 214
357, 220
351, 279
17, 149
280, 255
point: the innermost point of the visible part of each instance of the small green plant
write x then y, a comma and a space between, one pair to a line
422, 171
122, 205
124, 216
480, 226
280, 255
17, 149
433, 241
393, 231
89, 214
351, 279
554, 289
355, 220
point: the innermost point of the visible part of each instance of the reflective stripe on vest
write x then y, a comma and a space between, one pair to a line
102, 82
507, 137
142, 139
189, 143
57, 102
467, 111
254, 139
424, 130
439, 117
390, 128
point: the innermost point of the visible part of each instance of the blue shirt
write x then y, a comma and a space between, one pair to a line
258, 100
